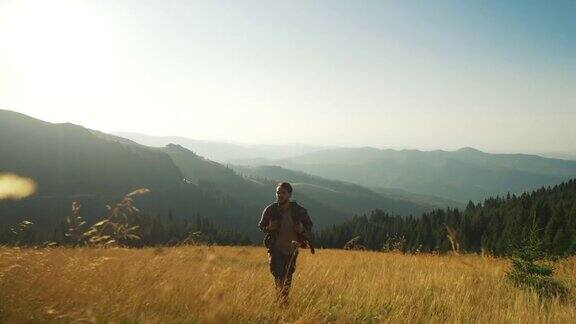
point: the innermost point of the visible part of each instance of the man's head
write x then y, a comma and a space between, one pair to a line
283, 192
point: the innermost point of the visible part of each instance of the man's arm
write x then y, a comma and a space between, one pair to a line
306, 221
264, 220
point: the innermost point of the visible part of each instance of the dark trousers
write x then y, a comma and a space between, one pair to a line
282, 267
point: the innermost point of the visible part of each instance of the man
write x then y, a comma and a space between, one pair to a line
286, 225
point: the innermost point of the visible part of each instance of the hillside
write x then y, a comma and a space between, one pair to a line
238, 155
70, 162
70, 159
462, 175
344, 196
251, 193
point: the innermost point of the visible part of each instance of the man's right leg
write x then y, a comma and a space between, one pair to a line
277, 268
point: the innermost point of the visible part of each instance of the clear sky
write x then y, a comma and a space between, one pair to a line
495, 75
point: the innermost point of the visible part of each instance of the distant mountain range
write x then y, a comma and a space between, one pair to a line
441, 178
230, 152
224, 151
70, 162
559, 155
462, 175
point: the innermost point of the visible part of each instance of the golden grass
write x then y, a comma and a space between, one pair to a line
233, 284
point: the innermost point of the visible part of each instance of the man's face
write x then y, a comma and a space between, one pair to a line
282, 196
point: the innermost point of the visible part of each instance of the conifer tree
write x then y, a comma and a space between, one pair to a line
528, 273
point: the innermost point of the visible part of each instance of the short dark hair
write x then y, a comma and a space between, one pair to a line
286, 186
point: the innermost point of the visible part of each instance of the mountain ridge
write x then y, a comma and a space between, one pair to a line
462, 175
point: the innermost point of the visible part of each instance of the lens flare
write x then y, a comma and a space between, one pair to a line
13, 186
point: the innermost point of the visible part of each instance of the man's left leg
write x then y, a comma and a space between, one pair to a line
289, 268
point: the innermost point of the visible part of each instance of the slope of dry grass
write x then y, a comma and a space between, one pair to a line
232, 284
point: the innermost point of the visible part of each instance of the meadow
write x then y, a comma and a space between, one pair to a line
214, 284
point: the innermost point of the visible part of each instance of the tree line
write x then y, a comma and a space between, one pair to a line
123, 225
497, 226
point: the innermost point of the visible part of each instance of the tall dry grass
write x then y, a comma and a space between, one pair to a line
233, 284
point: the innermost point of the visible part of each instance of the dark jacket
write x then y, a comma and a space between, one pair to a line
272, 213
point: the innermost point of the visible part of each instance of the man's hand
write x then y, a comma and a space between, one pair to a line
298, 227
